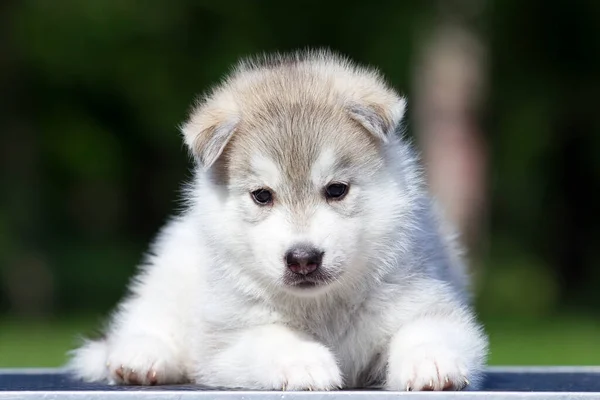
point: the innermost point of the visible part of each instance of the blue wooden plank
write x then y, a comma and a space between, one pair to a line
497, 380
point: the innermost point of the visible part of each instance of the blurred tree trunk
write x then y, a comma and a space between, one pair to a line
450, 85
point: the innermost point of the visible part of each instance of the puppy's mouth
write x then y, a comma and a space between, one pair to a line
307, 282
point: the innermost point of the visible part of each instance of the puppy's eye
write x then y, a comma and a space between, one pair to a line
336, 191
262, 197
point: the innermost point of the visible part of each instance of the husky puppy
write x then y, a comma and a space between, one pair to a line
310, 256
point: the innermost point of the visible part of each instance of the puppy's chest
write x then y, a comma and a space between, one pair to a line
357, 337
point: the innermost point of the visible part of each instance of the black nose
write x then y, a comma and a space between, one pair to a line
303, 259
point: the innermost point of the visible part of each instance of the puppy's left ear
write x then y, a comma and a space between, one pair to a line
380, 114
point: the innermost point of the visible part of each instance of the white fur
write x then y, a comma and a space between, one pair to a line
210, 306
267, 171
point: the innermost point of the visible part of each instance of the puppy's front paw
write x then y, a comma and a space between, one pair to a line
271, 357
309, 366
427, 367
275, 360
142, 360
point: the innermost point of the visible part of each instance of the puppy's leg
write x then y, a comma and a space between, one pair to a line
140, 349
273, 357
148, 339
437, 351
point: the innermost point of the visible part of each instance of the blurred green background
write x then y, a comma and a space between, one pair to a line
91, 160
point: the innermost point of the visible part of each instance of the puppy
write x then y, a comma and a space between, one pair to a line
309, 257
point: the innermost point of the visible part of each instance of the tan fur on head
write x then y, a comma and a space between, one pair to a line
316, 77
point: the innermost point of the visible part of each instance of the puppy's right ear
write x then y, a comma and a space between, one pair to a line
208, 130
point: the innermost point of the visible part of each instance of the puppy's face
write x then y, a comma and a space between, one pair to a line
296, 151
303, 187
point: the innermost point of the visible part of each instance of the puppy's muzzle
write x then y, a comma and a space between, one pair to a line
304, 259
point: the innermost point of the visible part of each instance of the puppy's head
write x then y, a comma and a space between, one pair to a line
300, 186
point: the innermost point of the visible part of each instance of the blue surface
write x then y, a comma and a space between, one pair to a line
520, 381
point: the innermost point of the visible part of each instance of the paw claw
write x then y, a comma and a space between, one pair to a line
447, 383
429, 387
151, 376
132, 378
467, 383
119, 372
